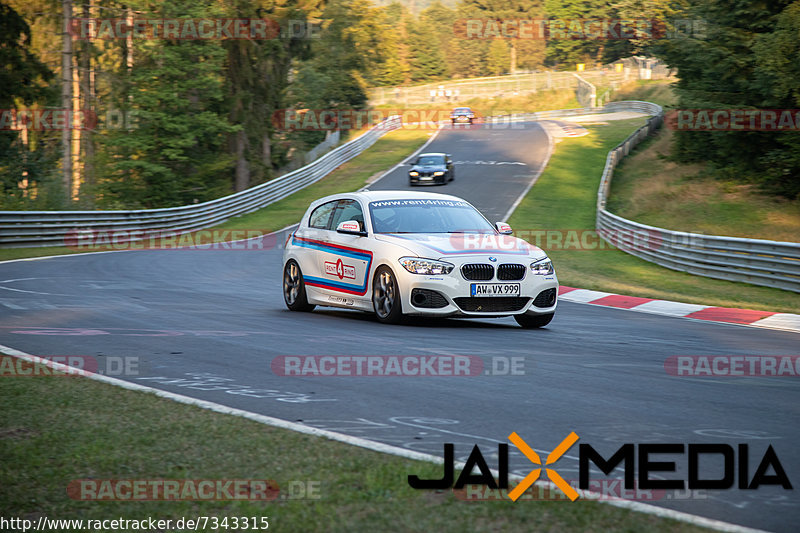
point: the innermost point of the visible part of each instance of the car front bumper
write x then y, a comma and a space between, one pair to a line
425, 180
455, 290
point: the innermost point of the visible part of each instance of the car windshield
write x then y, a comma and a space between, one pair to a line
462, 110
427, 216
430, 160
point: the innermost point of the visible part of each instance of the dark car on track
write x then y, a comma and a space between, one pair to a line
433, 168
462, 114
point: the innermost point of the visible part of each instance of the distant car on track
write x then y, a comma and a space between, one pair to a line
402, 253
431, 169
462, 114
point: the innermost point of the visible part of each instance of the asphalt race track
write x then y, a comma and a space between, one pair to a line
208, 323
494, 164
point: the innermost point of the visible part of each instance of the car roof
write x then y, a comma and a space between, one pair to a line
376, 196
432, 153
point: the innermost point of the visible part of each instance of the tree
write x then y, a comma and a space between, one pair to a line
24, 82
428, 62
175, 154
576, 49
256, 74
499, 59
748, 59
438, 20
347, 52
395, 68
531, 52
777, 73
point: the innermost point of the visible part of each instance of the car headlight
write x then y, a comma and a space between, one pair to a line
413, 173
438, 173
417, 265
542, 267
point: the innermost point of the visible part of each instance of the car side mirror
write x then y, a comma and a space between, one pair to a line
503, 228
350, 227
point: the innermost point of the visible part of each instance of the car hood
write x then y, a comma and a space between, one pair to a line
453, 246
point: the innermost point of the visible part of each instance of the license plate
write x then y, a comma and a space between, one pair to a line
494, 289
426, 178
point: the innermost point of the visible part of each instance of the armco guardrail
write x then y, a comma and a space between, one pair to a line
760, 262
30, 229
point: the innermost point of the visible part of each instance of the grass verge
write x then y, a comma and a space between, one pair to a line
564, 199
652, 189
385, 153
54, 430
657, 91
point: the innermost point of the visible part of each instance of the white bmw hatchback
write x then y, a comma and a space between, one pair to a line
411, 253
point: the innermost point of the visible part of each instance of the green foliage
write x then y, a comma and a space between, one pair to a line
203, 108
347, 52
23, 76
428, 61
568, 52
23, 79
748, 59
498, 58
177, 95
438, 22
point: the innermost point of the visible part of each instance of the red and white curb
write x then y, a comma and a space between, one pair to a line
745, 317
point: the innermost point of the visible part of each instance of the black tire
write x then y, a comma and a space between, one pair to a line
294, 288
533, 321
386, 297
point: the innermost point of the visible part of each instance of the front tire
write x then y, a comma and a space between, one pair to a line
294, 288
533, 321
386, 297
